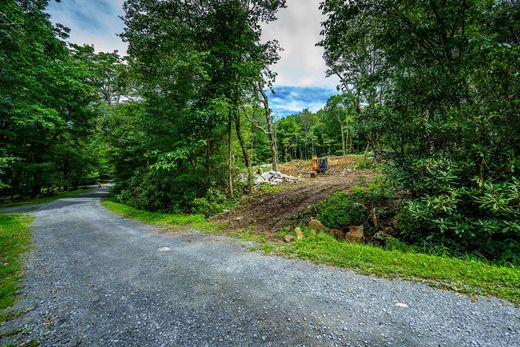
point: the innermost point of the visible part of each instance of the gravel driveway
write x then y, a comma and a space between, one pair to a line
94, 278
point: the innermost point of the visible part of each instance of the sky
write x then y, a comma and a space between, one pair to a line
301, 81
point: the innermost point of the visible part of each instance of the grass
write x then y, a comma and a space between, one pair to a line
460, 275
15, 238
179, 221
43, 199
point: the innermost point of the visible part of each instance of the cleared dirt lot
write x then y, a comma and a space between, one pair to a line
268, 212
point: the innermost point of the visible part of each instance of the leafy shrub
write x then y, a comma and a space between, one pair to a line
366, 164
484, 219
340, 210
212, 203
155, 191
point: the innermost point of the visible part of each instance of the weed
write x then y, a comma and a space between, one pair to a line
15, 239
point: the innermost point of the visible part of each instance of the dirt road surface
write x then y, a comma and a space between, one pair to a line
94, 278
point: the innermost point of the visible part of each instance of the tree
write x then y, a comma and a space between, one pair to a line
440, 104
46, 103
197, 65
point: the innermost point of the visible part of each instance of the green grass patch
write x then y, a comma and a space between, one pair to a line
43, 199
15, 238
183, 221
460, 275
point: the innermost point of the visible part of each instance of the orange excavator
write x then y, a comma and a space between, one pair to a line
318, 165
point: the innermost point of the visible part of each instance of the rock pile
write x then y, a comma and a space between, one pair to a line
274, 178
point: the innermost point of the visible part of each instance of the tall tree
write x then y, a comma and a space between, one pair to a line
46, 102
198, 62
443, 110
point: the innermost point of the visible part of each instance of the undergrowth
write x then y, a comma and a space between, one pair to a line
15, 238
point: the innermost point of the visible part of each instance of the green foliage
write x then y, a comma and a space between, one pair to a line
438, 90
366, 164
485, 219
340, 211
333, 130
195, 66
468, 276
15, 238
47, 104
156, 191
168, 220
214, 202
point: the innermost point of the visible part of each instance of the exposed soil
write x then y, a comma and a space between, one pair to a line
268, 212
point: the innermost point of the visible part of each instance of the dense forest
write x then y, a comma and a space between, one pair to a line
430, 87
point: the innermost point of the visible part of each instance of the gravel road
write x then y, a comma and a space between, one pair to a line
94, 278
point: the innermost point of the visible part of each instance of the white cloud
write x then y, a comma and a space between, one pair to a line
94, 22
298, 30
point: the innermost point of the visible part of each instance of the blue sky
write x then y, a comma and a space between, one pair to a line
300, 83
290, 99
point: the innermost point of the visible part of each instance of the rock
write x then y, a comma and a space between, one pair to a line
288, 238
273, 178
299, 234
355, 234
315, 224
338, 234
383, 235
260, 180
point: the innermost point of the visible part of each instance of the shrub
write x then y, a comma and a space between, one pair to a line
484, 219
366, 164
154, 191
212, 203
340, 211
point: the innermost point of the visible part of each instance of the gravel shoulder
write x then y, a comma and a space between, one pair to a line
94, 278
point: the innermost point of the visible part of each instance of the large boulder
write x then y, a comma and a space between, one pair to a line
315, 224
356, 234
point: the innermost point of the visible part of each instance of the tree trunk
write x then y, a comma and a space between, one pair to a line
347, 136
270, 133
245, 154
229, 156
342, 138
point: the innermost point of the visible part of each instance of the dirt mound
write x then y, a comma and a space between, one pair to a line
268, 212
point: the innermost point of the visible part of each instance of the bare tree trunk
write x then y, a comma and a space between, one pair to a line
270, 133
229, 156
346, 141
342, 139
245, 154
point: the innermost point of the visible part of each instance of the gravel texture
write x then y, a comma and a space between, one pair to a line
94, 278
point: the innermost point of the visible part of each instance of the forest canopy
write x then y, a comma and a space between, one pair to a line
429, 88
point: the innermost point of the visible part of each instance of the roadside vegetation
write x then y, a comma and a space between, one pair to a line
468, 275
12, 202
428, 100
15, 239
179, 220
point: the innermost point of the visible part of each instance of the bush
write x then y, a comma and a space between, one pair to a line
212, 203
366, 164
340, 211
154, 191
484, 219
